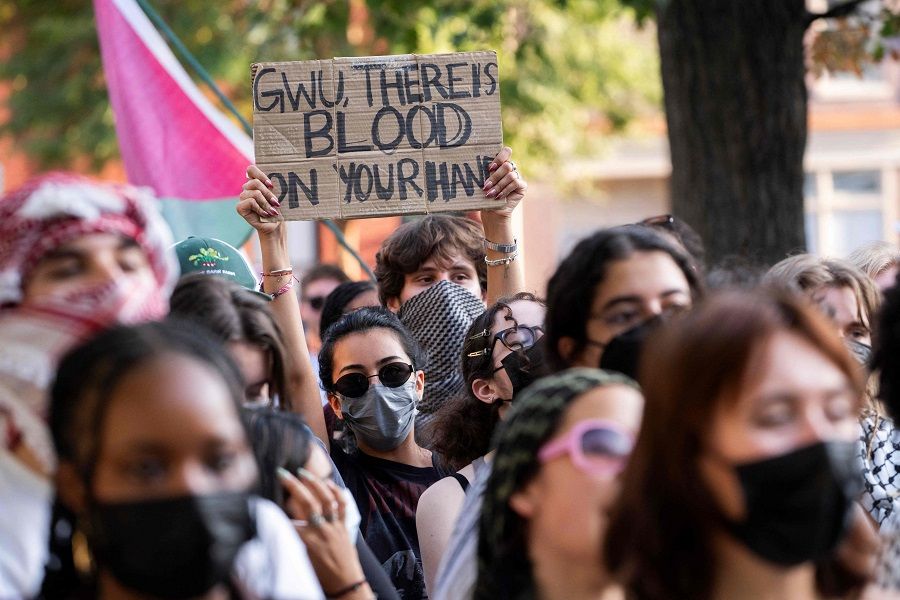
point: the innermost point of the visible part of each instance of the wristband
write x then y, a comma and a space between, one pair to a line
283, 289
279, 272
502, 248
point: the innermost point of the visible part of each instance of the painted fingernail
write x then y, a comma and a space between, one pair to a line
269, 183
493, 167
283, 473
274, 201
273, 212
491, 193
304, 474
487, 185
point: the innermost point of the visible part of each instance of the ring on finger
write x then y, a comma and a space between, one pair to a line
513, 165
315, 520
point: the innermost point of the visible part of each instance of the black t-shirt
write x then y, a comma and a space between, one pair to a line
387, 494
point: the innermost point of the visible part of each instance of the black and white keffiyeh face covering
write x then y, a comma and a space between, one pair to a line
438, 319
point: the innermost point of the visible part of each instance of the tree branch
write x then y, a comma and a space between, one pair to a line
841, 10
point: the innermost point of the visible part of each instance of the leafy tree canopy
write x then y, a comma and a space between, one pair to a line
569, 69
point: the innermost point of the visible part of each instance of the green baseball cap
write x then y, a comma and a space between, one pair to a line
215, 257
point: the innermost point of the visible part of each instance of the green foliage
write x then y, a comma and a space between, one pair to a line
570, 69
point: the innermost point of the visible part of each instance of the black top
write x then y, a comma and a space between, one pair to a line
387, 494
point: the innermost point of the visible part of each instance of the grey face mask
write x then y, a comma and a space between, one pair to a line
383, 417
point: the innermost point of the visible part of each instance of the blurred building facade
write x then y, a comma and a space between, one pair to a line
852, 164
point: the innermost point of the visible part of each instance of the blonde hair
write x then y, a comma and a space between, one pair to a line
875, 258
806, 273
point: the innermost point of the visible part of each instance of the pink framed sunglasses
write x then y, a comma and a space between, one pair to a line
596, 447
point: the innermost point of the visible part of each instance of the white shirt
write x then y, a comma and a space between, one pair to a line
24, 527
274, 564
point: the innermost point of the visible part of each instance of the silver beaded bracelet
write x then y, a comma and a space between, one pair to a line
501, 261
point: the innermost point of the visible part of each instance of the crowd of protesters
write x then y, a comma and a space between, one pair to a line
177, 425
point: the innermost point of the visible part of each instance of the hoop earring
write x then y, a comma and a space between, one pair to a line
81, 553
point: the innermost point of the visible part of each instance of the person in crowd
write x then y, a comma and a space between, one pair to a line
851, 299
76, 255
368, 365
242, 321
296, 473
437, 273
878, 260
209, 256
501, 357
554, 478
886, 361
345, 298
443, 255
610, 292
156, 466
744, 473
317, 283
842, 291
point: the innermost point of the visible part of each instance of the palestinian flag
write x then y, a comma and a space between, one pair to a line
172, 138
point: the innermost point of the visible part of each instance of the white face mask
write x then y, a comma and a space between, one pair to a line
352, 518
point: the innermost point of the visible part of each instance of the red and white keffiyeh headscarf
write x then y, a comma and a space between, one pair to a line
39, 217
54, 209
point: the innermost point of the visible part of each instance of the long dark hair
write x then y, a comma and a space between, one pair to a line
462, 428
571, 289
79, 401
235, 314
658, 544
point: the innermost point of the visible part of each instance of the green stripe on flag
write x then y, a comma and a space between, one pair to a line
206, 218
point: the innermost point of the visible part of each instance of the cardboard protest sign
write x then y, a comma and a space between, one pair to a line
378, 135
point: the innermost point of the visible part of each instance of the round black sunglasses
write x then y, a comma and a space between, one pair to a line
355, 385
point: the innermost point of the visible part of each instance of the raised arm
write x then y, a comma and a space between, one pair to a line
506, 277
256, 202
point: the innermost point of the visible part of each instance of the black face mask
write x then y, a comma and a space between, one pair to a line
171, 548
623, 352
798, 504
524, 368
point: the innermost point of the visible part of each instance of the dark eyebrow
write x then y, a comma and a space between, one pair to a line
146, 447
62, 253
389, 359
425, 270
462, 265
67, 251
383, 361
637, 299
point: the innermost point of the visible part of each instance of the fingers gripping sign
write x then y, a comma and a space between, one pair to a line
505, 182
257, 204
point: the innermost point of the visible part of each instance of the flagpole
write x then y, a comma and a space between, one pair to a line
205, 77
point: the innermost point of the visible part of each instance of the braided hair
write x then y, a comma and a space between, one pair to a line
504, 569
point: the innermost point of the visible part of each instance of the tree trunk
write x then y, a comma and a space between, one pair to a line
733, 75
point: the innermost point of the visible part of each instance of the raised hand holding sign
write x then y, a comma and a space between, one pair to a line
382, 135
